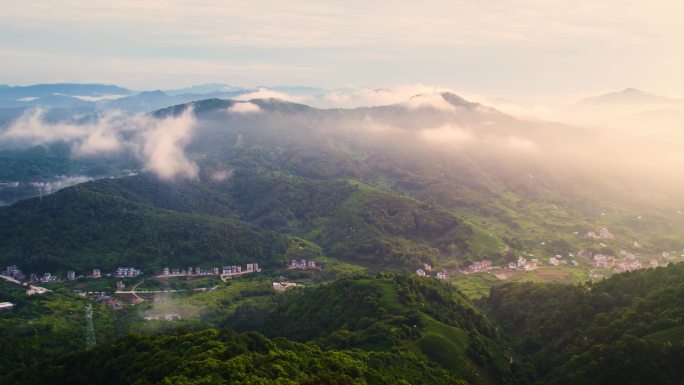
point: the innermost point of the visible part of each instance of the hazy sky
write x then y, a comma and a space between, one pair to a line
508, 48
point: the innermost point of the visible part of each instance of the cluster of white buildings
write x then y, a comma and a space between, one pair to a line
199, 272
14, 272
524, 264
603, 261
477, 266
47, 277
627, 266
165, 317
441, 275
126, 272
302, 264
237, 270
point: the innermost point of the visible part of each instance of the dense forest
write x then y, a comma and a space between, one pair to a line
627, 329
373, 330
78, 229
144, 222
387, 202
222, 357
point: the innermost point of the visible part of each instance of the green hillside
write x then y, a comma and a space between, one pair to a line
625, 329
385, 202
389, 329
420, 315
220, 357
144, 222
81, 229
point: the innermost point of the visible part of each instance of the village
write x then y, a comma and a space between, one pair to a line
17, 274
45, 187
597, 265
226, 271
303, 264
14, 275
56, 182
427, 269
113, 300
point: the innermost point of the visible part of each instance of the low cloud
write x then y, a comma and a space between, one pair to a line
31, 128
264, 93
446, 135
453, 136
158, 143
98, 142
429, 101
244, 108
521, 145
221, 175
364, 97
163, 145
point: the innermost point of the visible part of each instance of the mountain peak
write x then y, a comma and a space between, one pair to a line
206, 88
630, 96
155, 93
457, 100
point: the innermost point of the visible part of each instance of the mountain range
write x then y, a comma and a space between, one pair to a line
436, 179
374, 195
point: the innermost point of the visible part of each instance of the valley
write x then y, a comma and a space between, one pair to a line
341, 193
311, 234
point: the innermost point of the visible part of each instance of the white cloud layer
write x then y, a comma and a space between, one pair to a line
363, 96
157, 142
264, 93
244, 108
163, 144
429, 101
447, 135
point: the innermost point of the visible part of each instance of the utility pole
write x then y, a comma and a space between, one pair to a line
90, 329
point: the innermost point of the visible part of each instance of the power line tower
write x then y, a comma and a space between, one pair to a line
90, 329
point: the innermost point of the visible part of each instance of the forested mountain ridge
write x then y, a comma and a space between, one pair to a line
398, 329
496, 178
78, 229
363, 330
142, 221
627, 329
371, 186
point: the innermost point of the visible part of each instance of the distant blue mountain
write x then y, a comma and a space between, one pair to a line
59, 95
297, 90
208, 88
631, 96
148, 101
99, 96
68, 89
